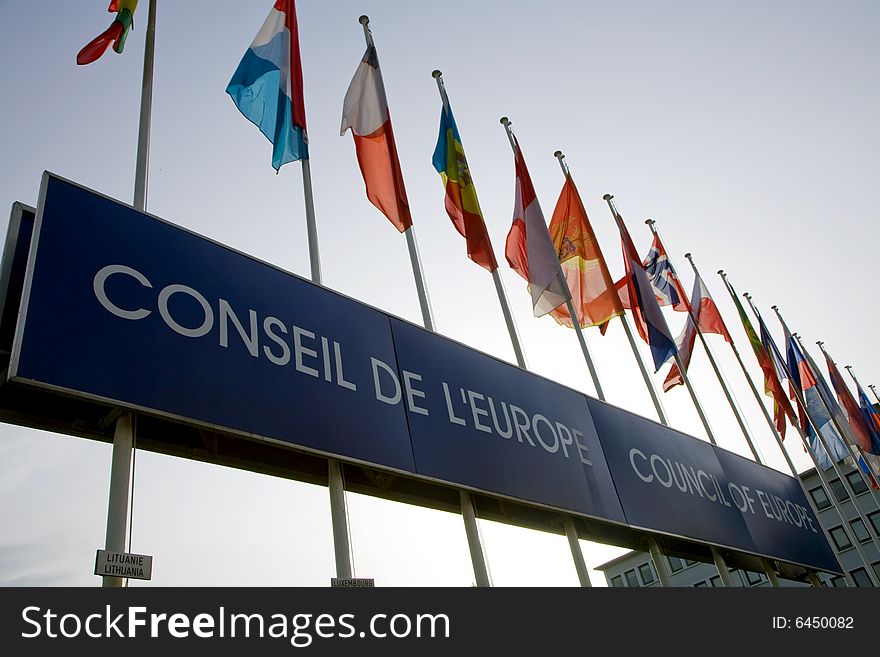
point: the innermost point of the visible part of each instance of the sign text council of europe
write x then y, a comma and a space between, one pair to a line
154, 317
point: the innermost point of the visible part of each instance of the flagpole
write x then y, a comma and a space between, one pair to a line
121, 476
632, 342
311, 228
874, 391
496, 278
727, 393
801, 400
577, 329
478, 559
681, 367
823, 480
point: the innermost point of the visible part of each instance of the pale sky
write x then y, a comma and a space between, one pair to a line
747, 130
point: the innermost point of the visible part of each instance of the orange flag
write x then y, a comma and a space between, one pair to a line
592, 291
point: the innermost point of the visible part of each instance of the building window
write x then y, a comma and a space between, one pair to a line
617, 582
860, 531
820, 498
715, 581
688, 563
874, 517
754, 578
841, 540
838, 581
860, 575
839, 490
675, 563
857, 483
701, 584
876, 567
647, 574
631, 579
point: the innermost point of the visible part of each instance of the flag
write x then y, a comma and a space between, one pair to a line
772, 386
462, 205
648, 317
267, 86
779, 364
664, 280
803, 375
856, 422
365, 112
709, 321
116, 34
593, 295
667, 286
871, 416
528, 249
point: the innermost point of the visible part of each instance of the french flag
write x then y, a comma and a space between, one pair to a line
365, 112
267, 86
649, 319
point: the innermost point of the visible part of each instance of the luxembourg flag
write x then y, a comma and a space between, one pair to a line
267, 86
365, 112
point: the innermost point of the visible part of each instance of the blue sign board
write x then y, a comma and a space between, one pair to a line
125, 308
673, 483
490, 425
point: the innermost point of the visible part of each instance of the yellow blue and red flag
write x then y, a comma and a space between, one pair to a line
462, 205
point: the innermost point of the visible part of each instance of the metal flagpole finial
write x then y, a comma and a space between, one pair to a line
365, 21
650, 222
774, 307
820, 343
436, 73
607, 197
747, 296
505, 121
559, 155
721, 273
688, 256
847, 367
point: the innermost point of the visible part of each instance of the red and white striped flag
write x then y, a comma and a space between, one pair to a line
365, 111
529, 250
709, 320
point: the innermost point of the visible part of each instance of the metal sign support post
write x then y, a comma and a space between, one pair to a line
123, 437
576, 554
